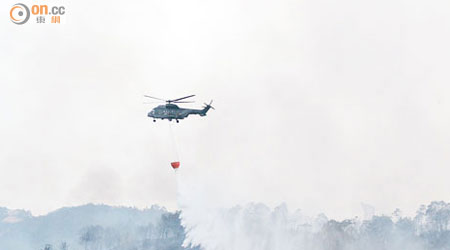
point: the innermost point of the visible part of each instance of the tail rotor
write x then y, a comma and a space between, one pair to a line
209, 105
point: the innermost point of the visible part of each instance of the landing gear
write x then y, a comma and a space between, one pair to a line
177, 121
154, 120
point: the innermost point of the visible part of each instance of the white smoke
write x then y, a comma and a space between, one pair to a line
248, 227
213, 225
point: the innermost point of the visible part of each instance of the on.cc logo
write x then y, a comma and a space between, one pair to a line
19, 13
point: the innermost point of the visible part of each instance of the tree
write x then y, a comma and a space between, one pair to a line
90, 237
48, 247
64, 246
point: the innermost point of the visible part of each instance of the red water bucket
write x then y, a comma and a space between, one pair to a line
175, 164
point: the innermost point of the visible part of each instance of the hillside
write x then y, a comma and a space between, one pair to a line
91, 227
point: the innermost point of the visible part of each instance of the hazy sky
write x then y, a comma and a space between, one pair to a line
322, 104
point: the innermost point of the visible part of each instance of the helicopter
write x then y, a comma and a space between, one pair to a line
171, 111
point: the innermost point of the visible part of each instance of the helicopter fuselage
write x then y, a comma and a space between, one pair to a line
172, 111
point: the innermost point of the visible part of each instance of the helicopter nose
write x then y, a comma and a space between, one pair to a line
150, 114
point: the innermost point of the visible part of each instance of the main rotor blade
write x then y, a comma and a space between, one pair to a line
183, 102
155, 98
174, 100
